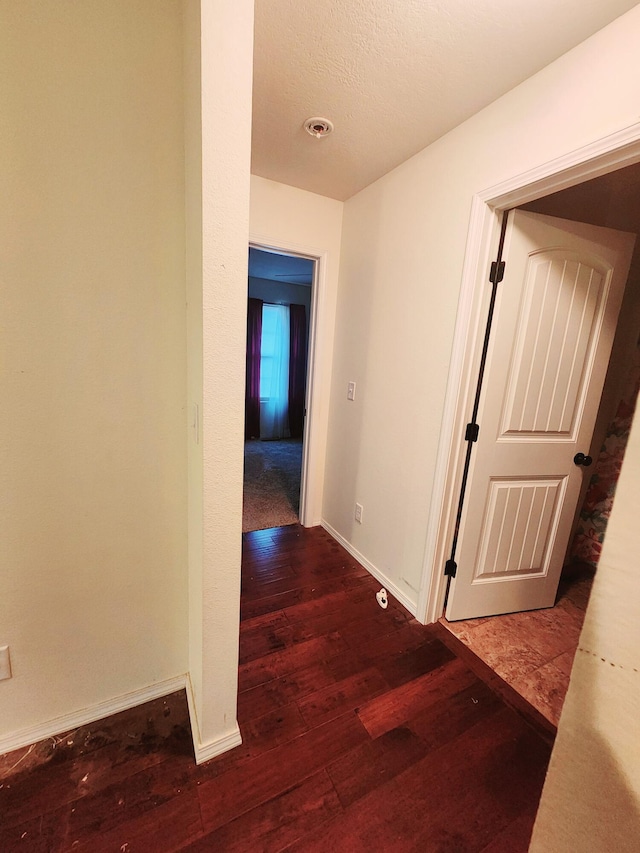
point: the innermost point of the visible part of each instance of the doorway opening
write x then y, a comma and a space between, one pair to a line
280, 311
533, 651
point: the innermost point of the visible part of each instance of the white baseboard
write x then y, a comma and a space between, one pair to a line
59, 725
211, 749
207, 751
388, 584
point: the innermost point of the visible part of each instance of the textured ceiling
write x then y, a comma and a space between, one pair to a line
393, 76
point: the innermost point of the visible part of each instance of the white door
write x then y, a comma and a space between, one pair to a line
553, 329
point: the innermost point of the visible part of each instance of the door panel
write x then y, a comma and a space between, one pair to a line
562, 300
551, 339
519, 520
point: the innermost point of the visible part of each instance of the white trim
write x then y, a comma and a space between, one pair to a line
59, 725
207, 751
604, 155
600, 157
450, 458
223, 743
310, 489
373, 570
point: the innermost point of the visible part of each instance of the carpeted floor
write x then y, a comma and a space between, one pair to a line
271, 483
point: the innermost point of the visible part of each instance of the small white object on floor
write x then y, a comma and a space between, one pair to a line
382, 598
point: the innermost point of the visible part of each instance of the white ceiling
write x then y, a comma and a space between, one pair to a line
393, 76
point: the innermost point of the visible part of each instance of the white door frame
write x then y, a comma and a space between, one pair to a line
310, 489
604, 155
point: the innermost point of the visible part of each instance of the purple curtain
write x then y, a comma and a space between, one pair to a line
252, 392
297, 368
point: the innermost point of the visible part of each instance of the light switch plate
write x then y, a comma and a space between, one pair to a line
351, 391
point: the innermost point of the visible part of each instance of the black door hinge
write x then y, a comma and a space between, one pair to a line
472, 432
497, 272
450, 568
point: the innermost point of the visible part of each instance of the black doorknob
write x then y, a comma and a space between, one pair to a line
581, 459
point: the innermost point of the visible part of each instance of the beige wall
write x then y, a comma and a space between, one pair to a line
403, 249
93, 523
591, 798
288, 218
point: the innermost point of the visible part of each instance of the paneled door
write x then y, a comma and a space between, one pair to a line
551, 339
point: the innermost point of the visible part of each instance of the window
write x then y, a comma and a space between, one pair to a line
274, 371
268, 349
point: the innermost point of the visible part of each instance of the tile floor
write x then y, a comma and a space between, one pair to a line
533, 651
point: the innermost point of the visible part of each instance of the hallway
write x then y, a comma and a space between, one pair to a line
361, 731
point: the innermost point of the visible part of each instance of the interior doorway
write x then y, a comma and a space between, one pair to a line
533, 651
280, 311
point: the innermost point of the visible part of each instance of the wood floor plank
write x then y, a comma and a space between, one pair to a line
280, 691
302, 655
89, 759
441, 722
168, 827
404, 666
277, 823
361, 731
346, 695
261, 604
441, 802
92, 817
365, 621
263, 623
374, 762
544, 726
253, 589
256, 672
228, 796
34, 836
399, 705
264, 733
515, 837
259, 644
408, 636
331, 602
380, 624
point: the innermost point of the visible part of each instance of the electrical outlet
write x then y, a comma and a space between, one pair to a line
359, 513
351, 391
5, 663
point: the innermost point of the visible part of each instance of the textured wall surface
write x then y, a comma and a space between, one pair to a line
403, 250
591, 798
225, 89
93, 520
285, 217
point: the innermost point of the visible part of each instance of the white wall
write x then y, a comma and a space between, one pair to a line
591, 798
218, 225
288, 218
403, 250
93, 520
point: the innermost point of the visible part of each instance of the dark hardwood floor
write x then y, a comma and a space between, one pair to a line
362, 731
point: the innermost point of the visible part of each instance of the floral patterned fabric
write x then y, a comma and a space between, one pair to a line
596, 509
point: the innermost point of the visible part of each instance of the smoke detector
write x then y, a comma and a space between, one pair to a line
318, 127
